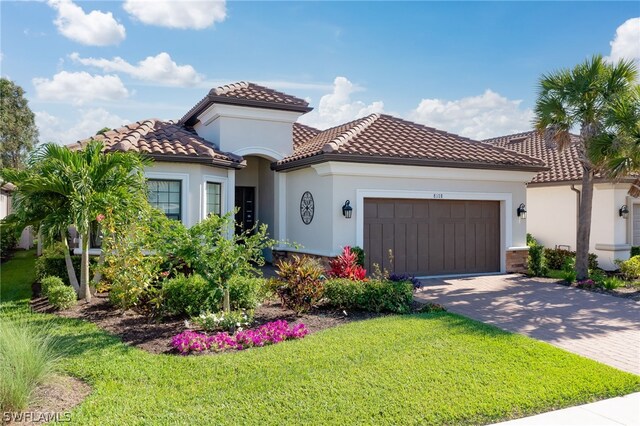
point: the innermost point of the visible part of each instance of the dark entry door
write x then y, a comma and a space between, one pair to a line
245, 202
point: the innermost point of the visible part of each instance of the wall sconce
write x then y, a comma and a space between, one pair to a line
347, 210
624, 211
521, 211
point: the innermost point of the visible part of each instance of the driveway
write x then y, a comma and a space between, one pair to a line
598, 326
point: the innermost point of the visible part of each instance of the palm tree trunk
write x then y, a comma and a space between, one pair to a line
40, 242
97, 277
73, 279
85, 292
584, 226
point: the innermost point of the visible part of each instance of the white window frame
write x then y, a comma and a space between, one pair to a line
224, 194
184, 190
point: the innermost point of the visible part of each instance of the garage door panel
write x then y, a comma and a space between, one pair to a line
430, 237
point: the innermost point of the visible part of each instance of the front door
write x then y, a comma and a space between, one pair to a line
245, 203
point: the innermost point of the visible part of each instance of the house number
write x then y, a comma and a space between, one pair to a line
438, 196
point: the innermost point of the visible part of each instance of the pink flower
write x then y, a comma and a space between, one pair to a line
100, 217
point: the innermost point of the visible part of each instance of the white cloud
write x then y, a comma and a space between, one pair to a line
626, 43
477, 117
337, 107
80, 87
158, 69
53, 129
95, 28
194, 15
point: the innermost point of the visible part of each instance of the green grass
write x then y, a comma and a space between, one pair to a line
555, 273
418, 369
17, 275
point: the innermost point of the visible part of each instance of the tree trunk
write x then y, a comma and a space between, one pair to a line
85, 292
226, 303
40, 242
97, 277
584, 226
73, 279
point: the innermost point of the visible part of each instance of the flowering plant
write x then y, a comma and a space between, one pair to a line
267, 334
586, 284
230, 321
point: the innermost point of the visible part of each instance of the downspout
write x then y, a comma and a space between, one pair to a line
578, 194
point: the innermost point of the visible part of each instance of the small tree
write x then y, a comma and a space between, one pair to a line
18, 131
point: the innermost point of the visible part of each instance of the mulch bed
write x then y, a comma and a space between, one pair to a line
152, 336
628, 292
53, 401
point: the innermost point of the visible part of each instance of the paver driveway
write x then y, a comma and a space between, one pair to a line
598, 326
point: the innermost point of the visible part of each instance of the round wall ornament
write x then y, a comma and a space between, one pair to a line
307, 208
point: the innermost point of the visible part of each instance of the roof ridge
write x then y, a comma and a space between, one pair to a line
227, 88
349, 134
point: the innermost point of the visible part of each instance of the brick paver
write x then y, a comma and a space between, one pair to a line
598, 326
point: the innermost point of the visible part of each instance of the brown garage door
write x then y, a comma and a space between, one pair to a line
432, 237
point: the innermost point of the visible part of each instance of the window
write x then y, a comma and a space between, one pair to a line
214, 199
166, 195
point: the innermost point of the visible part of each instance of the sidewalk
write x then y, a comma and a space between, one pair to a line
609, 412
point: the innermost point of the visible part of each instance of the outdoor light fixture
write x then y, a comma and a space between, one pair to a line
624, 211
522, 211
347, 210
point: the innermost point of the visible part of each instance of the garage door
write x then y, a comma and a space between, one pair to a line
636, 225
432, 237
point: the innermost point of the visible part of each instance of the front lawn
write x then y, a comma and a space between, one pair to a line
415, 369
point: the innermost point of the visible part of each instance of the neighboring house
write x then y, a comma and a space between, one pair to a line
26, 238
553, 197
443, 204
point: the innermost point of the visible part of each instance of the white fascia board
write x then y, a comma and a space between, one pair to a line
251, 113
331, 168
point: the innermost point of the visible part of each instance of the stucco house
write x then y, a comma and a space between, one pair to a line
553, 199
442, 203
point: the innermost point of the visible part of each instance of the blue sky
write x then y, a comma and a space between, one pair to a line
468, 68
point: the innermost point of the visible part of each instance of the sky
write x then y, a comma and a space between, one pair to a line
469, 68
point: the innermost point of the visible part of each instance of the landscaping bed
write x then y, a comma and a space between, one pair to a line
138, 330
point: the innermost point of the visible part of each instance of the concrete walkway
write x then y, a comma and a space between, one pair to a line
609, 412
598, 326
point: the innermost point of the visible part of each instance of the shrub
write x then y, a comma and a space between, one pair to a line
556, 258
635, 251
190, 295
598, 276
267, 334
299, 283
346, 266
531, 241
52, 263
246, 292
230, 321
28, 358
587, 284
569, 273
9, 235
630, 269
62, 297
373, 295
48, 283
611, 283
360, 256
536, 261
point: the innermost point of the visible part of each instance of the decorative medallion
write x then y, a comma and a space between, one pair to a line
307, 207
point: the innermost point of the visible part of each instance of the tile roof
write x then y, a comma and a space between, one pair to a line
165, 141
380, 138
247, 94
563, 166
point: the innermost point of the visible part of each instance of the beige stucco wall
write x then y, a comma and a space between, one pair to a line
552, 219
194, 178
331, 187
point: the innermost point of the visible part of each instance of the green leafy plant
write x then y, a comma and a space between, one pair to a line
531, 241
556, 258
246, 292
372, 295
598, 276
62, 297
569, 273
360, 256
635, 251
299, 283
536, 261
611, 283
190, 295
52, 263
630, 269
431, 307
28, 358
9, 234
47, 283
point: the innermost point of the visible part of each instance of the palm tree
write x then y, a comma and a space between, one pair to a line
78, 185
583, 97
